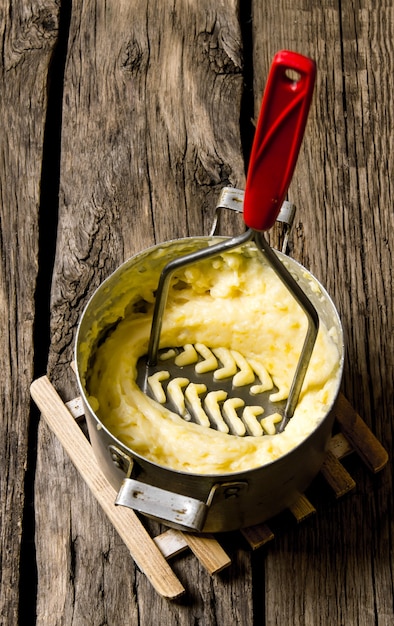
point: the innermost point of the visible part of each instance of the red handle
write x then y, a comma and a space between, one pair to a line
280, 129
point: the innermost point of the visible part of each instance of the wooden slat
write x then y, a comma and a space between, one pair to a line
171, 543
208, 551
142, 549
337, 476
360, 436
258, 535
302, 508
75, 407
339, 446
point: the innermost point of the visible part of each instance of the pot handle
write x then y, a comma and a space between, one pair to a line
178, 510
233, 199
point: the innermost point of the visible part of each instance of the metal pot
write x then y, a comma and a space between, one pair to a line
196, 502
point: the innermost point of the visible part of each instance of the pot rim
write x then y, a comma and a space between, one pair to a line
213, 476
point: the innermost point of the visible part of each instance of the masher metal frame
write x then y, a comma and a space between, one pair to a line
284, 275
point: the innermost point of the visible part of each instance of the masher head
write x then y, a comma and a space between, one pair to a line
216, 388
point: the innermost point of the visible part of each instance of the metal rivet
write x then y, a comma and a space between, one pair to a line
231, 492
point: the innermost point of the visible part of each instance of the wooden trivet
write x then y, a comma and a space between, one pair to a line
151, 554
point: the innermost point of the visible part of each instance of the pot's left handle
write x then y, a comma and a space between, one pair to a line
179, 511
182, 512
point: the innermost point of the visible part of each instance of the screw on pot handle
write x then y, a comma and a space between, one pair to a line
279, 132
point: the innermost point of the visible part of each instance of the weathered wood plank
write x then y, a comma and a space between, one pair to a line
28, 34
150, 135
344, 234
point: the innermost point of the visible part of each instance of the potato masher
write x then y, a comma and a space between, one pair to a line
279, 132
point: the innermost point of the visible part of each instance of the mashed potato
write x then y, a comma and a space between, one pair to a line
235, 302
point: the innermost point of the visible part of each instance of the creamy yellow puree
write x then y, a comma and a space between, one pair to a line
234, 301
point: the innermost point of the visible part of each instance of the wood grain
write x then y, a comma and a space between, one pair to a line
154, 120
344, 235
145, 151
142, 158
28, 35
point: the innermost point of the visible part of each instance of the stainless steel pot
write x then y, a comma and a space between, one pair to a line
197, 502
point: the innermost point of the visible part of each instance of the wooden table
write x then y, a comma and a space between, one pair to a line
121, 123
